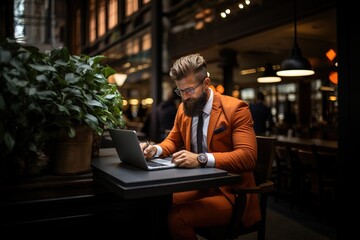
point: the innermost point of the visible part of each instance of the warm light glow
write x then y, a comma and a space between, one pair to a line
208, 19
134, 101
119, 78
111, 79
207, 11
147, 101
199, 15
199, 25
333, 76
326, 89
236, 93
272, 79
295, 73
331, 54
220, 89
248, 71
332, 98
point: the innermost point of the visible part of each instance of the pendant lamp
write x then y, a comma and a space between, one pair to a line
269, 75
295, 65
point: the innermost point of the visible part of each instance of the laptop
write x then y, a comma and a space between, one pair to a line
129, 151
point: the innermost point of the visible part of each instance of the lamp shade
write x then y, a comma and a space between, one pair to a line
269, 75
295, 65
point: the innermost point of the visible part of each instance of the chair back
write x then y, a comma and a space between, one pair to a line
265, 158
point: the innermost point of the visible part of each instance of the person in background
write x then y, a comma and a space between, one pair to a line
261, 114
228, 142
166, 110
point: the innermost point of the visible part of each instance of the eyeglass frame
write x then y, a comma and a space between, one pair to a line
189, 90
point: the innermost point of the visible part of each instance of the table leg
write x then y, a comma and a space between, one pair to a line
158, 209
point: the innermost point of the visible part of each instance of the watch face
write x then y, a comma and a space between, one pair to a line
202, 158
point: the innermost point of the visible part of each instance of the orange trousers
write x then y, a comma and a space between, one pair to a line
197, 209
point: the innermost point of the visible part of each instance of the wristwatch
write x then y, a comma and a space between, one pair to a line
202, 159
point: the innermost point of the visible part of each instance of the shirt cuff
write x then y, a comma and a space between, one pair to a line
159, 151
211, 160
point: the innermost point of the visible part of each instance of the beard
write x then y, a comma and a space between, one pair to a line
194, 106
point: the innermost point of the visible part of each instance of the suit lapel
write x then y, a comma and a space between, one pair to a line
214, 116
188, 124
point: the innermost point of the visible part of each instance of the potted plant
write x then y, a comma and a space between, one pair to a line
43, 96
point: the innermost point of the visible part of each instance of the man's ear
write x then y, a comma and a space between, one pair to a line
207, 81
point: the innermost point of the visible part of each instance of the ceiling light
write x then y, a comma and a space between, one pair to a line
120, 78
269, 75
295, 65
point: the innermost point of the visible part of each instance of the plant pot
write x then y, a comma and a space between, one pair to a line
73, 155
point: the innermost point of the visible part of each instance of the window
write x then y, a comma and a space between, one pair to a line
102, 18
131, 7
113, 13
92, 13
146, 42
77, 33
132, 47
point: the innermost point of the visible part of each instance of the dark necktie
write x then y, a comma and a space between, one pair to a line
199, 134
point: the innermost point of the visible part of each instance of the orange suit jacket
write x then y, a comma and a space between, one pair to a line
232, 141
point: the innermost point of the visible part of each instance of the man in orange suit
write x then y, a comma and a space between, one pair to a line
227, 141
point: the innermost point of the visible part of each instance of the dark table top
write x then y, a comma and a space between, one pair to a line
321, 144
131, 182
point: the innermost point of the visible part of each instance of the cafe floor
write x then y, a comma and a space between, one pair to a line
285, 223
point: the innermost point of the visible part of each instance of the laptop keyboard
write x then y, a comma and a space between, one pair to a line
154, 164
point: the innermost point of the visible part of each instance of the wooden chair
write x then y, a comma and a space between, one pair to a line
285, 181
306, 166
266, 155
317, 177
326, 173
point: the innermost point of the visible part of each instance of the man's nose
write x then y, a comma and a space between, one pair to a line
185, 95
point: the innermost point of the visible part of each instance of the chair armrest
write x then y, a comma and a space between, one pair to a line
265, 187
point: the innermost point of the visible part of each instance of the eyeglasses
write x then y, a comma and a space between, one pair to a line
190, 90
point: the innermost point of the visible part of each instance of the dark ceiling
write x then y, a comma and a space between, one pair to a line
315, 36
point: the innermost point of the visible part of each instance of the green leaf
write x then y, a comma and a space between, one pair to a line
46, 95
20, 83
5, 56
108, 71
2, 103
94, 103
9, 141
71, 78
92, 121
42, 68
41, 78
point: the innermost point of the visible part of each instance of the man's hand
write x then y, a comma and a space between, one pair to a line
148, 149
185, 159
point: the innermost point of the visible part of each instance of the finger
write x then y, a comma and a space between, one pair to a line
176, 154
179, 160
